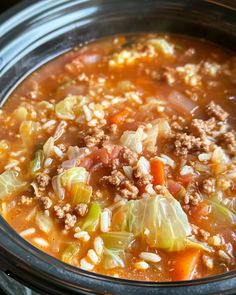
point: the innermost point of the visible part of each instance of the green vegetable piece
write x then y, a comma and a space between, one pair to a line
159, 220
219, 210
37, 163
70, 252
115, 244
81, 193
92, 218
10, 183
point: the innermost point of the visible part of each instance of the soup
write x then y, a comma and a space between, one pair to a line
118, 157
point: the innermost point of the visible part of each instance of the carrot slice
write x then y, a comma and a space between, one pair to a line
119, 118
158, 172
185, 265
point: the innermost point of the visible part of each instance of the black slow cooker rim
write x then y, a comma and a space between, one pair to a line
26, 255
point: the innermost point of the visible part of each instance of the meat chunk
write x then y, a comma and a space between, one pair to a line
228, 139
46, 202
70, 221
81, 209
209, 185
95, 137
185, 144
61, 211
129, 157
129, 190
42, 180
216, 111
201, 128
122, 184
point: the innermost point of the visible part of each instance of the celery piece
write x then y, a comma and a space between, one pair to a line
37, 162
92, 218
81, 193
70, 252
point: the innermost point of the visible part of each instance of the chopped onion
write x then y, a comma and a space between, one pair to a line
181, 103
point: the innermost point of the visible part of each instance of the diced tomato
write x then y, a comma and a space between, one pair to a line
157, 171
87, 163
115, 152
186, 179
173, 186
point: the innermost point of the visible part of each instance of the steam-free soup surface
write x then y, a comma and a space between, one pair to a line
119, 158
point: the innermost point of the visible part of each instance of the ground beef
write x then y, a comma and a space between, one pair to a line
116, 178
81, 209
185, 144
70, 221
142, 179
228, 140
209, 185
201, 128
129, 190
216, 111
192, 198
122, 184
95, 137
46, 202
61, 211
128, 157
42, 180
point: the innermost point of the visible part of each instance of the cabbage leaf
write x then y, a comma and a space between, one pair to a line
10, 183
67, 179
115, 244
159, 220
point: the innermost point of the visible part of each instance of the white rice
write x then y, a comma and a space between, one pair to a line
87, 113
49, 124
141, 265
82, 236
27, 232
168, 160
204, 157
98, 245
92, 256
105, 220
150, 257
84, 264
186, 170
48, 162
41, 242
58, 151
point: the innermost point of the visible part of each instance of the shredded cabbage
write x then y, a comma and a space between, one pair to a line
9, 183
28, 129
159, 220
48, 147
67, 179
133, 140
67, 108
37, 163
115, 244
44, 222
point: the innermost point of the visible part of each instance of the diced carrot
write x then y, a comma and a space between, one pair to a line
119, 118
158, 172
185, 265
